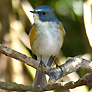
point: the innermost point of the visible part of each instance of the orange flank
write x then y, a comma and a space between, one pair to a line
32, 34
63, 30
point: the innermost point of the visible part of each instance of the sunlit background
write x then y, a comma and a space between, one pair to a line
15, 25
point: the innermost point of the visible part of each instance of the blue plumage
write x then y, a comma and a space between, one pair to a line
45, 13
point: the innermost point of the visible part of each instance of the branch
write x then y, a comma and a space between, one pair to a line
23, 58
72, 64
19, 87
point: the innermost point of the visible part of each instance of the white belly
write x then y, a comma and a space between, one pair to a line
48, 42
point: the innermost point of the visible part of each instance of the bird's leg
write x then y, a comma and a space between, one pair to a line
41, 63
57, 64
50, 61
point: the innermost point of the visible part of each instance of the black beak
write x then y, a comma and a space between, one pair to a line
33, 11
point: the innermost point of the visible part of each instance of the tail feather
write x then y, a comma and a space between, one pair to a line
40, 79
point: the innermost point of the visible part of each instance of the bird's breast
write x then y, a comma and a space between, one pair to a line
48, 39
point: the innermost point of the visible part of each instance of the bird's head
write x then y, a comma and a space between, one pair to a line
44, 14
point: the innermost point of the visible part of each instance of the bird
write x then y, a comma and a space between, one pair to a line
46, 39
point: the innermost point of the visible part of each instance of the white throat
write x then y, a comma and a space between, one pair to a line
36, 18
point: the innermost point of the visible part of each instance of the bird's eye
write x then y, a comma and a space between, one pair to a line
43, 13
